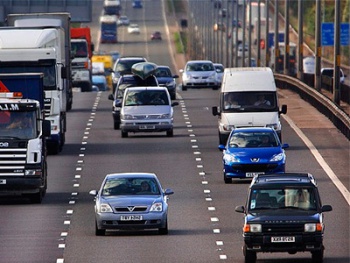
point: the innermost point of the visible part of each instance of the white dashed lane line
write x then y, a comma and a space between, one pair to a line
78, 175
205, 182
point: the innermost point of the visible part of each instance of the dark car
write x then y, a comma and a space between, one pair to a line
156, 35
126, 81
167, 79
123, 66
283, 213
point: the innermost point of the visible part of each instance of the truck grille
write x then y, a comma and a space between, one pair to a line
12, 161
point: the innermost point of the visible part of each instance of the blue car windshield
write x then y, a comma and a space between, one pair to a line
253, 139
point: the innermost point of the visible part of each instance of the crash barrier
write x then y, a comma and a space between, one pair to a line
321, 102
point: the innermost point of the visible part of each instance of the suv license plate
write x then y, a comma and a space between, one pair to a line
252, 174
282, 239
3, 181
130, 218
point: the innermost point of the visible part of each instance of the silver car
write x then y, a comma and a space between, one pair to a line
129, 201
199, 73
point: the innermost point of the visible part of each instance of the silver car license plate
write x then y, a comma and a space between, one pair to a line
3, 181
131, 218
147, 127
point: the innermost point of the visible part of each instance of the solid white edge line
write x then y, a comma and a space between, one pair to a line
320, 160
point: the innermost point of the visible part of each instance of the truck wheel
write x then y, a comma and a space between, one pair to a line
124, 134
317, 256
170, 133
249, 256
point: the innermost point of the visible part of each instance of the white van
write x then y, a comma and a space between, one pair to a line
146, 109
248, 98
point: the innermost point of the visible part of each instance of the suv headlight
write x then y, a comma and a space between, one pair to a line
313, 227
252, 228
156, 207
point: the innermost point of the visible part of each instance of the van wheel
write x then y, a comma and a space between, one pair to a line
184, 87
116, 126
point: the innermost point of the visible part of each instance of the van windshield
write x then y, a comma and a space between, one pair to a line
146, 97
249, 101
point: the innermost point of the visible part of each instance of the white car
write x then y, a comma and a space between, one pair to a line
330, 73
240, 50
219, 72
133, 29
199, 73
123, 21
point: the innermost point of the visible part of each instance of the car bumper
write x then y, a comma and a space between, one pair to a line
149, 221
303, 242
199, 83
146, 127
248, 171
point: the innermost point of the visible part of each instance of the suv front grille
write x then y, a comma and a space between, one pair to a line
282, 228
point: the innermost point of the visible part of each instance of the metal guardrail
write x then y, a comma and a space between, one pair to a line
326, 106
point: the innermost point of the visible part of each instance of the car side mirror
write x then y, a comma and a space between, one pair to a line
174, 104
327, 208
240, 209
111, 97
175, 76
215, 111
168, 191
285, 146
221, 147
93, 192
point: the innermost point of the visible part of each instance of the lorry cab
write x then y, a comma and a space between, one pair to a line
248, 98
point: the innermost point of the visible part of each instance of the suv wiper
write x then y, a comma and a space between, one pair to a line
10, 137
290, 207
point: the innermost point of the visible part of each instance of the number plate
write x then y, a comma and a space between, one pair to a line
252, 174
3, 181
282, 239
130, 218
147, 127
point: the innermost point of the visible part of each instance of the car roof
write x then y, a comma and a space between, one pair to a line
199, 61
148, 88
284, 179
131, 175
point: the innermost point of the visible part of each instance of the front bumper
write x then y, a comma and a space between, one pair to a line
303, 242
248, 170
146, 127
20, 185
149, 221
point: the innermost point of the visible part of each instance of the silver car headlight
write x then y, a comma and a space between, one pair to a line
277, 157
105, 208
170, 83
164, 116
156, 207
212, 76
127, 117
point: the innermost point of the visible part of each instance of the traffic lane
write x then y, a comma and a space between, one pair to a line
32, 232
174, 162
299, 159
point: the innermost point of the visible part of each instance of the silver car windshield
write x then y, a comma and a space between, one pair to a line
131, 186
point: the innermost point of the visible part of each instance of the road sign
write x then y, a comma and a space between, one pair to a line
327, 34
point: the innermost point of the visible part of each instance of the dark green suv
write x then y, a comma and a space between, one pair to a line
283, 213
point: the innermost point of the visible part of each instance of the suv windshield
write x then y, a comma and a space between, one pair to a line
283, 198
146, 97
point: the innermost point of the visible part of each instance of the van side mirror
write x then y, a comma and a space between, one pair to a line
283, 109
215, 111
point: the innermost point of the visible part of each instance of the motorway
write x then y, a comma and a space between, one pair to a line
203, 226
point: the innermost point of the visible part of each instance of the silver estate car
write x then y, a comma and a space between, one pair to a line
129, 201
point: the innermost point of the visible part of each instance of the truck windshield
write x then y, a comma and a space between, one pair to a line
49, 71
79, 49
249, 102
18, 124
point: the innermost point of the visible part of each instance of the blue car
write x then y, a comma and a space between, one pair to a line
252, 151
100, 81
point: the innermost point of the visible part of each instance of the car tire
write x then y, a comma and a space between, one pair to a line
124, 134
170, 133
163, 230
99, 232
116, 126
249, 256
227, 180
317, 256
